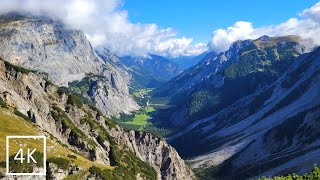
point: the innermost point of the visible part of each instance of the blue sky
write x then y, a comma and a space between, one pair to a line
198, 18
139, 27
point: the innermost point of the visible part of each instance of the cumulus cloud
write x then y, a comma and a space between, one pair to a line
222, 38
106, 24
307, 26
313, 12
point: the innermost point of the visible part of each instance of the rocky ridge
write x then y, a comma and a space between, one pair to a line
270, 132
208, 87
84, 129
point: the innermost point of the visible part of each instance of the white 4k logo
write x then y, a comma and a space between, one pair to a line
21, 158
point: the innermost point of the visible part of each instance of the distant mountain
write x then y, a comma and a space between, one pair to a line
218, 81
151, 71
187, 62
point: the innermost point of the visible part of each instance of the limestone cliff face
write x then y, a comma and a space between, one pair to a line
65, 55
45, 45
82, 128
162, 157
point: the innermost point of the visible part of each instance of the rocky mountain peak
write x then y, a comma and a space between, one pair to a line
45, 45
264, 37
65, 55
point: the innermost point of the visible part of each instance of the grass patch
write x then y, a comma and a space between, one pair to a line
11, 67
18, 113
77, 176
142, 92
60, 162
139, 119
74, 100
3, 104
71, 156
150, 109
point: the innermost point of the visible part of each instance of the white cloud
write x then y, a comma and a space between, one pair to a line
307, 27
313, 12
106, 24
222, 38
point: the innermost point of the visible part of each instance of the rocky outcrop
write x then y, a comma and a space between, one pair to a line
157, 152
45, 45
82, 128
162, 156
64, 55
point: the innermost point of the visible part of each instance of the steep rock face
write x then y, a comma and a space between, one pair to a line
273, 131
157, 152
210, 85
83, 129
45, 45
39, 100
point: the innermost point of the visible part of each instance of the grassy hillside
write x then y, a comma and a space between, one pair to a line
12, 125
127, 164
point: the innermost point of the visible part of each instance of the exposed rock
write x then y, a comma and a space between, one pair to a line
157, 152
47, 46
46, 101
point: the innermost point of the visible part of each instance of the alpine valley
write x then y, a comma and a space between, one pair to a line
53, 83
248, 112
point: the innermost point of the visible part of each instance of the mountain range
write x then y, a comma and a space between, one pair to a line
151, 71
252, 111
218, 81
186, 61
53, 83
248, 112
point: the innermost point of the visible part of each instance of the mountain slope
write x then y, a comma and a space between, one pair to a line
217, 82
65, 56
83, 129
13, 125
151, 71
273, 131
